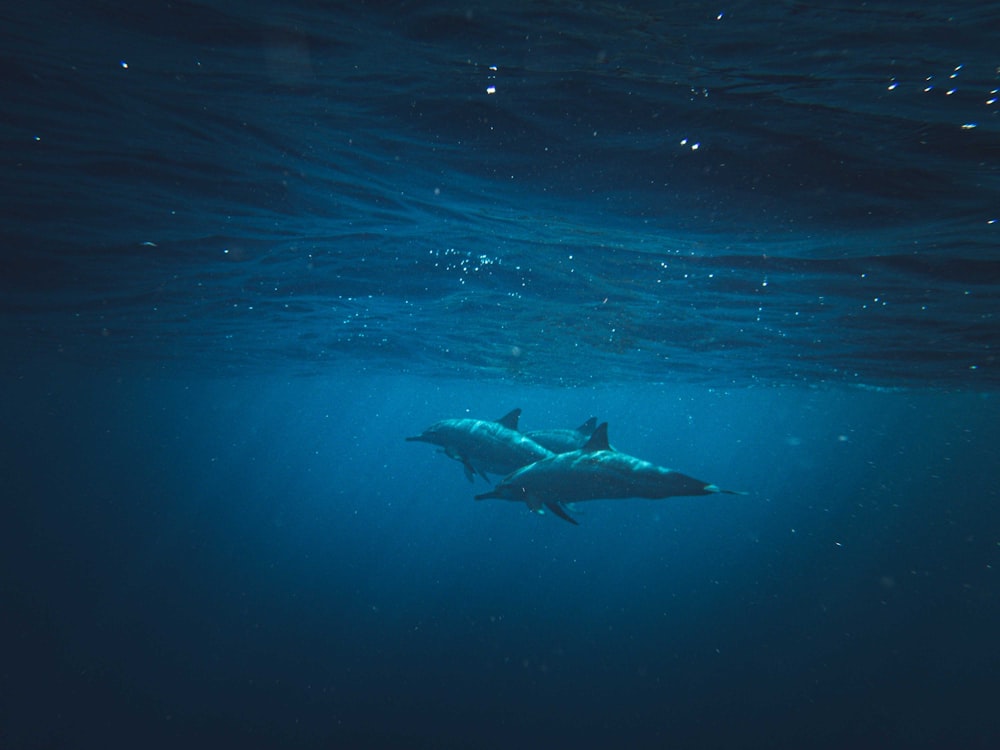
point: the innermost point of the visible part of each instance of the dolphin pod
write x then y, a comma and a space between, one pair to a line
552, 479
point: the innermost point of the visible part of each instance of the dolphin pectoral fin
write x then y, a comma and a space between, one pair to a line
561, 512
470, 470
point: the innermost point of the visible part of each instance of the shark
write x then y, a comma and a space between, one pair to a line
564, 441
594, 472
484, 447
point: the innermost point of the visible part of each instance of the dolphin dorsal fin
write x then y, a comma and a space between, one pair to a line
587, 428
599, 440
509, 420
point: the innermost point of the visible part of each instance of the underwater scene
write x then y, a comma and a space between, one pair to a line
527, 375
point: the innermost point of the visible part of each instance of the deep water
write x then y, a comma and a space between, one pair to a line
247, 248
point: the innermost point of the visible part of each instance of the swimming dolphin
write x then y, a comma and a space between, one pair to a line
484, 447
564, 441
592, 473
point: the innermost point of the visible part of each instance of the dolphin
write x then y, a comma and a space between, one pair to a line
592, 473
484, 447
564, 441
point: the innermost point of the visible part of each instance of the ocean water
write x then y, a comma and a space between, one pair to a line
249, 247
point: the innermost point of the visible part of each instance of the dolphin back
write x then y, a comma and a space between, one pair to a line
564, 441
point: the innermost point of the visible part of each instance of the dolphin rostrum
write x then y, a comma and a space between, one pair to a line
592, 473
484, 447
564, 441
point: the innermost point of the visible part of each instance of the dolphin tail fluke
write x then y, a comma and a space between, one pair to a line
561, 512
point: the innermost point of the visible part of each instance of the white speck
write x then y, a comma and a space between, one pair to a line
969, 126
491, 89
123, 64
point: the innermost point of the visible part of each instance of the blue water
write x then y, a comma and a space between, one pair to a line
248, 247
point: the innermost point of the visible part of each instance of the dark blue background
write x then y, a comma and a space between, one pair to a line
265, 561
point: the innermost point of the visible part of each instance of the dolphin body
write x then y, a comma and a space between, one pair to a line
564, 441
484, 447
592, 473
